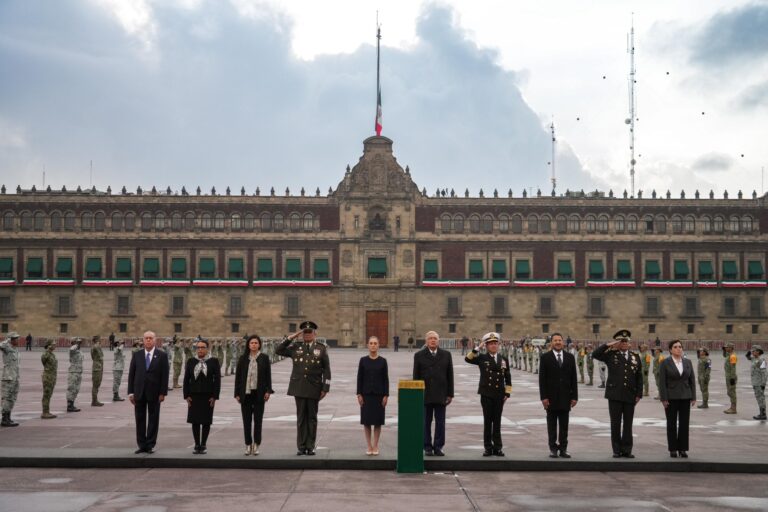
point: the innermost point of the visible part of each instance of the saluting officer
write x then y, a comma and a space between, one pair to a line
704, 372
730, 376
494, 389
97, 370
624, 389
50, 365
75, 374
645, 362
310, 382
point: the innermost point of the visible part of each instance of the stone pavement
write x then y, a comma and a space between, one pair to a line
105, 436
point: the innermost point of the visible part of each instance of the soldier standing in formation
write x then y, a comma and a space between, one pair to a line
657, 360
310, 382
228, 354
50, 365
704, 372
730, 376
494, 389
590, 364
118, 365
759, 374
75, 377
581, 354
97, 371
645, 361
10, 385
178, 362
536, 359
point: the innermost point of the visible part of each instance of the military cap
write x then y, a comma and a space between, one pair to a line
49, 343
12, 335
623, 334
76, 339
729, 345
491, 337
757, 348
308, 325
643, 346
703, 351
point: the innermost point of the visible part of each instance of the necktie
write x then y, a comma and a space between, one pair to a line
148, 360
559, 360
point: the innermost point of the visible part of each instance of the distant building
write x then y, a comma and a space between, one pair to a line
378, 256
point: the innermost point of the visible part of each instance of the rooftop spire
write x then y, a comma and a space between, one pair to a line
377, 124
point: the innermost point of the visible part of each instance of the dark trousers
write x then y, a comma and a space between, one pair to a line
621, 435
438, 411
492, 408
252, 409
306, 422
555, 418
147, 414
678, 416
200, 433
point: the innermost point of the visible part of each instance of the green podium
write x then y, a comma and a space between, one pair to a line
410, 426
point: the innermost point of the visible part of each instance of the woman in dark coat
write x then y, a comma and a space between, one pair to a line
202, 383
372, 393
677, 390
253, 386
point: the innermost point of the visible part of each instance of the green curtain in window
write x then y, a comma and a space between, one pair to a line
730, 271
430, 268
475, 267
93, 265
207, 266
595, 269
499, 269
377, 266
652, 269
522, 269
178, 266
123, 266
681, 269
293, 266
321, 268
236, 265
6, 265
263, 266
755, 269
564, 269
705, 270
64, 266
151, 265
624, 269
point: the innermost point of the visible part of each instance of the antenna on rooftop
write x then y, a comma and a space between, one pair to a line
632, 106
554, 140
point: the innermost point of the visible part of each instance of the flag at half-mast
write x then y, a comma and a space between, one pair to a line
378, 85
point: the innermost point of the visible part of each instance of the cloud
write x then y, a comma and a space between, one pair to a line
224, 101
713, 162
731, 36
754, 96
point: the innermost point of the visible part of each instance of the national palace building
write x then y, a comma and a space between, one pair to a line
377, 255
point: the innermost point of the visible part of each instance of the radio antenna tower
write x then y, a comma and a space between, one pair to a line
632, 106
554, 178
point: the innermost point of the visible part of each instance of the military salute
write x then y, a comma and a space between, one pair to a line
494, 389
310, 382
581, 354
625, 389
97, 371
10, 384
50, 365
590, 364
730, 376
759, 375
118, 365
704, 372
75, 374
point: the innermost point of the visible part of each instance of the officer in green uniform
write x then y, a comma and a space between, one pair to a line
758, 374
118, 365
10, 385
178, 362
228, 354
645, 363
704, 373
531, 348
730, 376
657, 360
590, 364
50, 365
97, 372
581, 355
310, 382
75, 374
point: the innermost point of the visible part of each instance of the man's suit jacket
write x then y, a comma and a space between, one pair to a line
672, 385
150, 383
625, 377
558, 383
436, 372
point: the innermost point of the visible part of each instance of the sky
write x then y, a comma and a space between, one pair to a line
256, 93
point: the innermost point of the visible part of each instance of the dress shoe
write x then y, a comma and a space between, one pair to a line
309, 452
553, 454
628, 456
196, 450
673, 455
428, 452
487, 453
439, 452
564, 454
254, 449
203, 450
139, 450
300, 451
248, 449
149, 450
683, 454
616, 455
497, 452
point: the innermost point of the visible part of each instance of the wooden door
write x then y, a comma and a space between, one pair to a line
377, 324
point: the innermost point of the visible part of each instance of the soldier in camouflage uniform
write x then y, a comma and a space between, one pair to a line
530, 358
228, 354
730, 376
658, 358
50, 365
759, 375
97, 371
237, 351
220, 351
178, 362
590, 362
645, 363
704, 372
10, 384
536, 358
118, 365
75, 377
188, 354
581, 355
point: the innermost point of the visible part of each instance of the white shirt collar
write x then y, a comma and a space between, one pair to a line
151, 352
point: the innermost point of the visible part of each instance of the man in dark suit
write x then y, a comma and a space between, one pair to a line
494, 389
434, 366
310, 382
623, 390
147, 387
559, 393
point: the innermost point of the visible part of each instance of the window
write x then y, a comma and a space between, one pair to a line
117, 221
177, 328
207, 268
591, 224
249, 222
487, 224
99, 221
453, 307
6, 267
631, 224
522, 269
651, 328
652, 270
292, 305
755, 270
718, 224
545, 224
474, 223
562, 224
499, 328
733, 226
430, 269
123, 268
151, 268
264, 268
728, 328
26, 221
545, 306
648, 223
756, 306
377, 268
445, 223
178, 268
122, 327
39, 222
661, 224
63, 328
517, 224
293, 268
499, 269
177, 305
295, 222
652, 306
730, 271
6, 307
595, 328
476, 269
177, 222
236, 222
681, 270
206, 222
278, 222
564, 270
503, 223
218, 222
235, 268
596, 269
618, 224
574, 224
64, 268
689, 224
729, 306
57, 222
321, 268
266, 222
690, 329
755, 329
458, 224
623, 269
35, 268
190, 221
545, 328
691, 306
146, 221
69, 221
596, 306
3, 327
9, 221
93, 268
452, 328
123, 305
130, 222
291, 327
746, 225
235, 305
309, 222
533, 224
499, 306
706, 225
706, 273
602, 223
64, 305
235, 328
677, 224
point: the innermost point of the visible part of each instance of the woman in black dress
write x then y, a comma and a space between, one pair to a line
202, 383
372, 393
253, 386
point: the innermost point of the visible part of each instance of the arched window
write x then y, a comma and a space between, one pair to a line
648, 223
99, 221
562, 224
309, 222
130, 221
146, 221
718, 225
249, 222
445, 223
545, 224
632, 224
86, 221
734, 224
706, 224
574, 224
26, 221
69, 221
661, 224
618, 224
503, 223
117, 221
591, 223
517, 223
533, 224
602, 223
458, 223
278, 222
266, 222
295, 221
39, 221
206, 221
474, 223
487, 224
57, 221
177, 221
190, 221
9, 221
746, 224
160, 221
689, 224
236, 222
218, 221
677, 224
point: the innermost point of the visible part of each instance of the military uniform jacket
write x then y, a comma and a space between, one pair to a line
10, 361
97, 356
730, 366
311, 372
705, 368
645, 361
625, 378
75, 360
50, 364
758, 371
495, 378
436, 372
118, 365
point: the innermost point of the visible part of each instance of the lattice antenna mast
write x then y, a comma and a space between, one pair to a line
554, 141
632, 104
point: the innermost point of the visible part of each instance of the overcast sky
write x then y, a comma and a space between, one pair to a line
263, 93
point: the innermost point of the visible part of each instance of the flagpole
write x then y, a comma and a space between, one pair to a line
377, 123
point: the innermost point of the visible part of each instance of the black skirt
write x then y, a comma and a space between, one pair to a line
372, 411
200, 411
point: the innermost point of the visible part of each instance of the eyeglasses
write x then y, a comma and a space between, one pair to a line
202, 347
